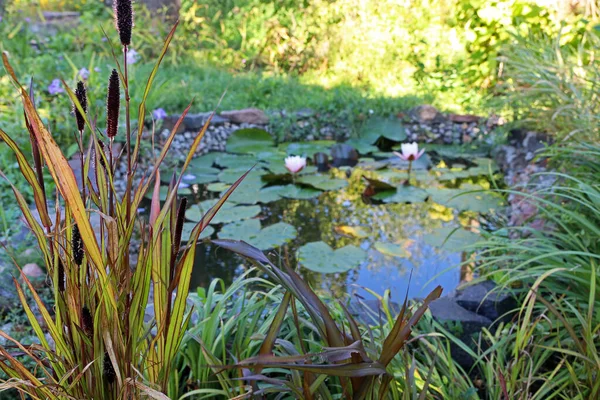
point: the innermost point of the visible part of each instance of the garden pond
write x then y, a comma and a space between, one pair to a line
349, 221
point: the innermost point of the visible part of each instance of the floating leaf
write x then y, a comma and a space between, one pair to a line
264, 239
352, 231
362, 146
403, 194
252, 140
448, 238
375, 128
466, 199
229, 212
449, 151
319, 257
323, 182
218, 187
204, 161
236, 161
392, 249
231, 175
297, 192
255, 194
307, 149
188, 227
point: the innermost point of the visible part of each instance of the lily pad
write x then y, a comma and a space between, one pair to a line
319, 257
264, 239
252, 140
353, 231
307, 148
236, 161
253, 194
449, 151
448, 238
188, 227
229, 212
218, 187
466, 199
392, 249
362, 146
375, 128
403, 194
205, 161
323, 182
231, 175
299, 193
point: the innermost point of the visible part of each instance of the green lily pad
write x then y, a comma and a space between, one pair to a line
319, 257
251, 193
264, 239
252, 140
362, 146
466, 199
229, 212
307, 149
236, 161
188, 227
375, 128
392, 249
448, 238
299, 193
231, 175
450, 151
323, 182
403, 194
218, 187
205, 161
353, 231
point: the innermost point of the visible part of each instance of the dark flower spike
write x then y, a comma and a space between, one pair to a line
77, 244
100, 157
87, 322
112, 105
124, 20
179, 226
81, 95
61, 276
109, 371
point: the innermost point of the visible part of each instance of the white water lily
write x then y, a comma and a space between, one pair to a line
295, 164
410, 152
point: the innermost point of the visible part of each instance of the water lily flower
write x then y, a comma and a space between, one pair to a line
159, 113
410, 152
55, 87
295, 164
132, 56
84, 74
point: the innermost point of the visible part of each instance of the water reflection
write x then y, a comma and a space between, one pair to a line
316, 220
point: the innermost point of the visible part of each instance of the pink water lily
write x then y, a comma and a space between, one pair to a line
295, 164
410, 152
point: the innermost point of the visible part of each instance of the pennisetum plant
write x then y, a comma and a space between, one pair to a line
99, 344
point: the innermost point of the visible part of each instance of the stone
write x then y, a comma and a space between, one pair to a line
247, 116
8, 294
460, 322
425, 114
191, 122
464, 118
32, 270
344, 155
305, 113
486, 299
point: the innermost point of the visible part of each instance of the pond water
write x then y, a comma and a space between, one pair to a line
348, 229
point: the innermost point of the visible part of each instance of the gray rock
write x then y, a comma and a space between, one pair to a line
305, 113
462, 323
485, 299
191, 122
8, 294
247, 116
425, 114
